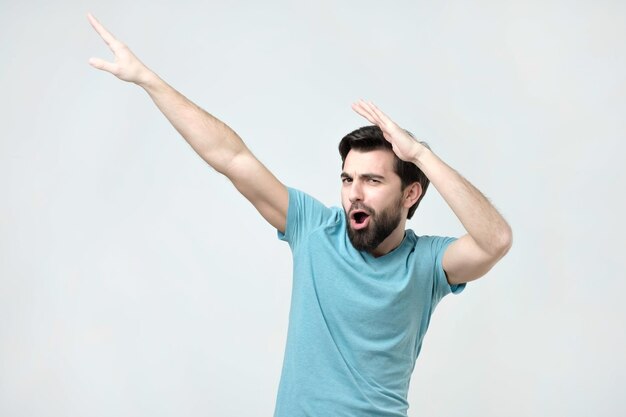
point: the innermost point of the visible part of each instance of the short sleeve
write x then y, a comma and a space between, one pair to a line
304, 214
441, 286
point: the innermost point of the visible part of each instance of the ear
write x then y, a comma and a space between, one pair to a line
411, 194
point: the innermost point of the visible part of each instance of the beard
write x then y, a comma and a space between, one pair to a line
379, 228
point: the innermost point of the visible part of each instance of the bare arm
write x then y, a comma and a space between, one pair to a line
488, 236
212, 139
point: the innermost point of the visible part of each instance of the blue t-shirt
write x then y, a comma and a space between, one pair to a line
356, 322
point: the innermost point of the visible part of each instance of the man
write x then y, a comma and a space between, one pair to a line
364, 288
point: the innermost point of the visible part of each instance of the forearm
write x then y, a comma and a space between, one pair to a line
212, 139
479, 217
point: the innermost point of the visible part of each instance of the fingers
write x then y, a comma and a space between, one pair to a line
108, 38
361, 108
368, 110
103, 65
379, 114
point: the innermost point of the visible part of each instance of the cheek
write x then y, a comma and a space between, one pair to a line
385, 199
345, 201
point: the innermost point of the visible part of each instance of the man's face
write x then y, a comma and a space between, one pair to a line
371, 196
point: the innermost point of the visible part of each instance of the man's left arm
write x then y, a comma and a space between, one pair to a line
488, 237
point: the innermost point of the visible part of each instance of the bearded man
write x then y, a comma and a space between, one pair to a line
364, 287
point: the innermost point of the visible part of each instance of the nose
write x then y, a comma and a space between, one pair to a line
356, 192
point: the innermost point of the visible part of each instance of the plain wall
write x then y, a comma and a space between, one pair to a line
136, 281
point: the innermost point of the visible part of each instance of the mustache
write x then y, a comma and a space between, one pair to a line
360, 206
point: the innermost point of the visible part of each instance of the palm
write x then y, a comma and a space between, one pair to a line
126, 63
126, 66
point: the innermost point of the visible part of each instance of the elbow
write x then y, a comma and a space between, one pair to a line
504, 241
225, 162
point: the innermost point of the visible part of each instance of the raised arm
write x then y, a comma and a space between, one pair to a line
488, 236
212, 139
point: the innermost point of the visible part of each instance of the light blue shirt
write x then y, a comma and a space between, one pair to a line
356, 322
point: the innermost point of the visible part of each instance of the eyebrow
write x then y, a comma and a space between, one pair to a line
365, 176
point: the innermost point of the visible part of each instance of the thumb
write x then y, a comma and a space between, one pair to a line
103, 65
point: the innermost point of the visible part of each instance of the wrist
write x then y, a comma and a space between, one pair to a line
148, 80
422, 153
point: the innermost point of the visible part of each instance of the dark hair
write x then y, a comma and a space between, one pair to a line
369, 138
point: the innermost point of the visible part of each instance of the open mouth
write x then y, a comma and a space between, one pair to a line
359, 219
360, 216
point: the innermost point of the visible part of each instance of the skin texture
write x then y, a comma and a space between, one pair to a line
210, 138
488, 237
370, 185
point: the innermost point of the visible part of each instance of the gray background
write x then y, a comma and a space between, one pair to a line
135, 281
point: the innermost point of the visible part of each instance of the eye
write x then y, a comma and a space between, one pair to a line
373, 181
346, 180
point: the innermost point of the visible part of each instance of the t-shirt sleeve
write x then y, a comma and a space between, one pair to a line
304, 215
441, 286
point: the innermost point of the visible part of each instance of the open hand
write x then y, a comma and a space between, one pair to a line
127, 66
403, 144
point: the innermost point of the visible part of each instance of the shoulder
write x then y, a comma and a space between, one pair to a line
429, 244
303, 202
430, 251
306, 214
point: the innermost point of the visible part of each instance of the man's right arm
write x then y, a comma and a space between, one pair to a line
212, 139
